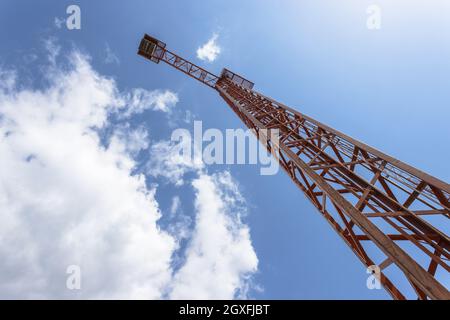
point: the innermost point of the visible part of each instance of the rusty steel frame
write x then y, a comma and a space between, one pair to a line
369, 198
160, 53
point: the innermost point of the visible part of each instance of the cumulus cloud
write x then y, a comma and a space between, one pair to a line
210, 50
220, 257
67, 198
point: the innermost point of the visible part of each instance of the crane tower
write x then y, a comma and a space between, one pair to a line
391, 215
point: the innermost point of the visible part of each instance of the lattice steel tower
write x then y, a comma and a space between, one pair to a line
373, 201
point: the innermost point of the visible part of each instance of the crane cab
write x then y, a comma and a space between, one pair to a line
151, 48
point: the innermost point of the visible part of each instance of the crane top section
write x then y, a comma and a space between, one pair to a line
237, 79
363, 193
155, 50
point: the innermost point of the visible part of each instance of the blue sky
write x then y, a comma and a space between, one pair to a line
388, 88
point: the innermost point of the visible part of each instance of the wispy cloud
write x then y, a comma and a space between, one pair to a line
110, 56
175, 206
210, 50
58, 22
52, 49
166, 160
138, 100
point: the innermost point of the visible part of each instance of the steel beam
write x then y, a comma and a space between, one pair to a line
367, 197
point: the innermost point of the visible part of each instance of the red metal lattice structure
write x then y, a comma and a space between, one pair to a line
378, 205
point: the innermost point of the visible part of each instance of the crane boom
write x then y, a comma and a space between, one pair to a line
370, 199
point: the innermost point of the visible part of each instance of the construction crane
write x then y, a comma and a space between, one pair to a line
379, 206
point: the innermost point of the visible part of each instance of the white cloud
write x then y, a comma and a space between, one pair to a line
180, 223
167, 160
139, 100
53, 50
175, 206
8, 79
129, 140
210, 50
65, 199
220, 258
